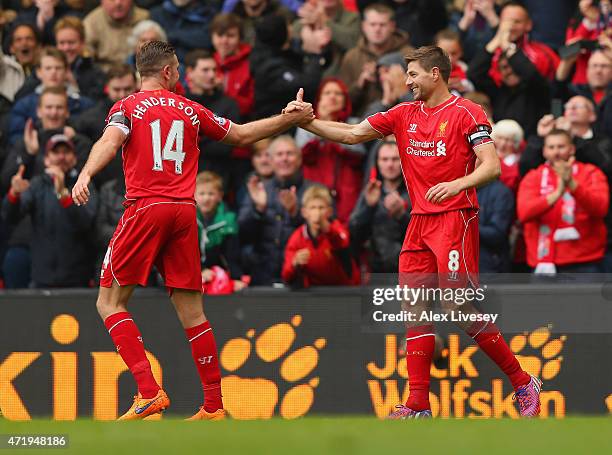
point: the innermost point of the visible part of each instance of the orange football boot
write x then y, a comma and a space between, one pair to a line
219, 414
144, 407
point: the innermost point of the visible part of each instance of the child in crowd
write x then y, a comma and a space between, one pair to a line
317, 253
218, 237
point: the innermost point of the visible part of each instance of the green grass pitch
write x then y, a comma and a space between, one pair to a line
326, 435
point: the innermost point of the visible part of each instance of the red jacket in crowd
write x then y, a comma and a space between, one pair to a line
584, 31
336, 167
330, 260
510, 175
543, 58
591, 198
237, 80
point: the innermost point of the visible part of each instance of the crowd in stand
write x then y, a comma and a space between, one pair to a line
298, 209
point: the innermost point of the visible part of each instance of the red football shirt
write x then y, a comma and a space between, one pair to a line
160, 156
436, 145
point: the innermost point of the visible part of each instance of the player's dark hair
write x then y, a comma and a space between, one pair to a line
560, 132
153, 56
119, 70
53, 91
430, 57
192, 57
224, 22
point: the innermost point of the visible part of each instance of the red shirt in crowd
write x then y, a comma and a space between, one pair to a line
330, 261
543, 58
434, 145
591, 205
235, 71
160, 156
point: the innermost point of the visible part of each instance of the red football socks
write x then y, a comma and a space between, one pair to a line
420, 344
491, 341
127, 339
204, 352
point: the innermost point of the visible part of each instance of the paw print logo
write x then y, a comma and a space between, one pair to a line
546, 362
257, 398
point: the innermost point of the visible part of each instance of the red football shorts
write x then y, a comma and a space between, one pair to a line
154, 231
441, 250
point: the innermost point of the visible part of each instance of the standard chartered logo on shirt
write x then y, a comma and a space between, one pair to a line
426, 148
440, 148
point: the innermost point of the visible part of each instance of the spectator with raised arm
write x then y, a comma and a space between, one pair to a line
329, 22
562, 204
272, 212
517, 89
380, 36
476, 24
337, 166
318, 253
278, 71
61, 244
381, 215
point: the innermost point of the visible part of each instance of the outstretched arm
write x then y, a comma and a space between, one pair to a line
101, 154
296, 112
343, 132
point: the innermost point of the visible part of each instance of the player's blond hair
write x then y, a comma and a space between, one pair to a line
212, 178
316, 192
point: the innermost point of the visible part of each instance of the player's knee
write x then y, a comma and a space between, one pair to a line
107, 306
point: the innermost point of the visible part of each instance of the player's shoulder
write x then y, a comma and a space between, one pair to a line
471, 111
125, 104
463, 105
406, 106
186, 101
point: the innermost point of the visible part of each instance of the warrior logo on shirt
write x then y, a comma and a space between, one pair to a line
442, 129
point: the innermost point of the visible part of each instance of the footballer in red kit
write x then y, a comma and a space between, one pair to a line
440, 137
438, 145
159, 132
160, 163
